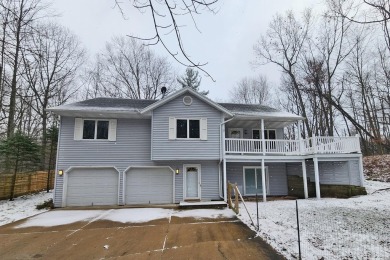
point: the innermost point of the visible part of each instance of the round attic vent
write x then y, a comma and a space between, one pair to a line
187, 100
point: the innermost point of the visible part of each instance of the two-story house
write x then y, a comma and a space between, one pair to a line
185, 147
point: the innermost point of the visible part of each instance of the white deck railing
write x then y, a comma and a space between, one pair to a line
313, 145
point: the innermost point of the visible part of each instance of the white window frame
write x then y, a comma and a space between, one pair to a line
266, 179
79, 129
95, 134
188, 128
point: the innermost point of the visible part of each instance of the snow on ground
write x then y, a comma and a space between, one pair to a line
22, 207
129, 215
137, 215
205, 213
355, 228
61, 217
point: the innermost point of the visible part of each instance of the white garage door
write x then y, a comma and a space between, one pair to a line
92, 186
149, 186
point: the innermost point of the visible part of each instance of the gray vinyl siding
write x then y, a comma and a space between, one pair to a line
334, 173
276, 172
209, 178
131, 148
165, 149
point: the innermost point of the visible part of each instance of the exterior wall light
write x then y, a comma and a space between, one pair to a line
177, 171
60, 172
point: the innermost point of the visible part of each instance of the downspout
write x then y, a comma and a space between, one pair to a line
56, 167
222, 157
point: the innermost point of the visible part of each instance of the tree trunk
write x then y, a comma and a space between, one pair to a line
12, 103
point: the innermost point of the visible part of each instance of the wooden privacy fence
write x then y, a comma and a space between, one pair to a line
26, 183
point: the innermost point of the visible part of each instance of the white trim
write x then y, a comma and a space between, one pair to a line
266, 179
151, 139
67, 171
180, 92
185, 166
147, 167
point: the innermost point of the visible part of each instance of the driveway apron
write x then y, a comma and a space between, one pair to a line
166, 238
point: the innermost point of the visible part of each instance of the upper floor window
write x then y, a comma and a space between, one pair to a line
95, 129
186, 128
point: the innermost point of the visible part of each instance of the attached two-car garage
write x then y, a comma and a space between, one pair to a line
89, 186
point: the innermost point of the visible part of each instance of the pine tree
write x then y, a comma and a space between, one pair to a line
20, 153
192, 80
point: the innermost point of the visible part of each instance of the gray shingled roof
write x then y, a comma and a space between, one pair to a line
113, 103
242, 108
142, 103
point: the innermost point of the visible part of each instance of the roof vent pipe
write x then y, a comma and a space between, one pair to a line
163, 91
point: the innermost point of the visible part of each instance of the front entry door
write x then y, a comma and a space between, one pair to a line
192, 181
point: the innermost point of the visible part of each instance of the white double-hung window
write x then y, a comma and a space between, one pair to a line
188, 128
95, 129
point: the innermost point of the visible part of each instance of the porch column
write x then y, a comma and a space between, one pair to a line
304, 179
317, 178
300, 137
361, 170
263, 180
262, 136
224, 181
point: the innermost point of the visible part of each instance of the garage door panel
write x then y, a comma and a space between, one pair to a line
149, 185
86, 187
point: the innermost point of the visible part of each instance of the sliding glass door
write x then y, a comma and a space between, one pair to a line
253, 180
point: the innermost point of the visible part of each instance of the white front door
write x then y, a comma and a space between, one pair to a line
192, 181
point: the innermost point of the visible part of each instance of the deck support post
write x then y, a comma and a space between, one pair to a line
224, 181
263, 180
262, 136
317, 178
305, 191
361, 170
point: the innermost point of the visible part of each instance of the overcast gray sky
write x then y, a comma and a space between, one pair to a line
225, 42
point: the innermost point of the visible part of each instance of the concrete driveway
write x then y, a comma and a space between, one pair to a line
124, 234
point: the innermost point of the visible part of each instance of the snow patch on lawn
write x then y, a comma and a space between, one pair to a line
22, 207
355, 228
205, 213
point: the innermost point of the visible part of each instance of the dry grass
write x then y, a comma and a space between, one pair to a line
377, 167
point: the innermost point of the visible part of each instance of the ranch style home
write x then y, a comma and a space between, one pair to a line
185, 148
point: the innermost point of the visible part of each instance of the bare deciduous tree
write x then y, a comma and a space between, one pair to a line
166, 17
283, 45
252, 90
129, 69
51, 59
